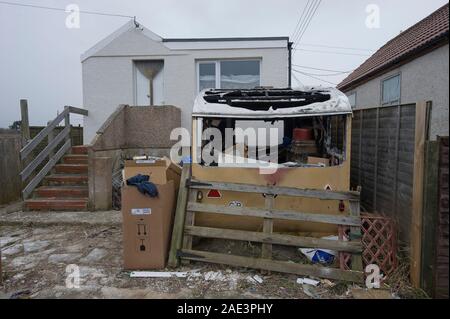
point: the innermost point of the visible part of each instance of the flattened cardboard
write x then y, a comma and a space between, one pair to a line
147, 225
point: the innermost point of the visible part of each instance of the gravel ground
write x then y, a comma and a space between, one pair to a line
36, 259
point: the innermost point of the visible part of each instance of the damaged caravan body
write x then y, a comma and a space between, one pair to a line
310, 151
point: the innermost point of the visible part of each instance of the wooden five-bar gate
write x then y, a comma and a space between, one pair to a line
185, 229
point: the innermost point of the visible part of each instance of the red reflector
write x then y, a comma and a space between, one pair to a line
341, 206
214, 193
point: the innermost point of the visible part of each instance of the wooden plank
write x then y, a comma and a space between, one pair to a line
272, 190
67, 120
355, 235
417, 203
266, 249
274, 238
430, 219
42, 135
77, 110
361, 118
272, 265
375, 173
396, 161
189, 221
47, 151
274, 214
180, 214
52, 162
25, 123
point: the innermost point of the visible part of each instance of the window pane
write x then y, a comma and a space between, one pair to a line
207, 76
239, 74
391, 90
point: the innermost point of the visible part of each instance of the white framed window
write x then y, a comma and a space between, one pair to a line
390, 90
228, 74
352, 99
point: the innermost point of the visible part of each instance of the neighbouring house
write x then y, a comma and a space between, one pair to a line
412, 67
134, 66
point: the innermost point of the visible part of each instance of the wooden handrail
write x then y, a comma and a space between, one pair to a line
45, 152
48, 151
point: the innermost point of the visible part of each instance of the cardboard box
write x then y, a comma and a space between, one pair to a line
147, 222
318, 160
160, 171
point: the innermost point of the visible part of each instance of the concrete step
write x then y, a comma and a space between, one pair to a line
67, 179
57, 204
75, 159
80, 149
71, 168
62, 191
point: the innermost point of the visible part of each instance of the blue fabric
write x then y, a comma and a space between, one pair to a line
143, 185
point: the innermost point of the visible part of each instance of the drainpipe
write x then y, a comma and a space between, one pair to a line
290, 63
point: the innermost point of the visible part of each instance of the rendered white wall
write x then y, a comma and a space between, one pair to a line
108, 78
423, 79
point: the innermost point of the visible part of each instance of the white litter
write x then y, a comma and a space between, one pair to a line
162, 274
308, 281
258, 279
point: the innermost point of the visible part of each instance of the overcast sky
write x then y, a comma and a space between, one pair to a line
40, 57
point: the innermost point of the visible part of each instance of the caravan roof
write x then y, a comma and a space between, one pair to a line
271, 103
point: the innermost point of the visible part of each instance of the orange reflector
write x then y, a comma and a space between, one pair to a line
214, 193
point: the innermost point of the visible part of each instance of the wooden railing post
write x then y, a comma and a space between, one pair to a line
25, 123
51, 136
67, 123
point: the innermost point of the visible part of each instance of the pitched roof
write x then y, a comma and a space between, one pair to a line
178, 43
421, 36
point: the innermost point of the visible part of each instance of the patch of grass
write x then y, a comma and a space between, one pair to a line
400, 285
339, 288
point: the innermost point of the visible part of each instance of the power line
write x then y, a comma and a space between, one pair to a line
326, 74
63, 10
299, 20
311, 76
332, 52
336, 47
318, 69
309, 22
305, 21
297, 79
302, 20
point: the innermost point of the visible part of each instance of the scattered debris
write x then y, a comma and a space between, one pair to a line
308, 281
162, 274
310, 292
322, 256
359, 293
254, 279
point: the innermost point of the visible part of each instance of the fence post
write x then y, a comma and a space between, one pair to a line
418, 187
25, 123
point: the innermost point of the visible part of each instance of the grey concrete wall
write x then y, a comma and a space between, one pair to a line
136, 127
108, 79
128, 131
423, 79
10, 183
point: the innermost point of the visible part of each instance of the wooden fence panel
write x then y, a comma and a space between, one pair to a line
11, 185
382, 161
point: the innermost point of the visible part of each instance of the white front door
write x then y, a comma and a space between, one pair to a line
149, 83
